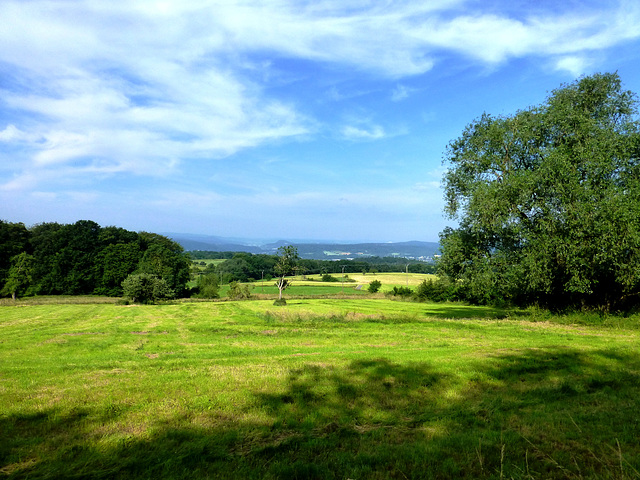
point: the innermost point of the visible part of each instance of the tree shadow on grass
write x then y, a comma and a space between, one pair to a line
538, 413
460, 311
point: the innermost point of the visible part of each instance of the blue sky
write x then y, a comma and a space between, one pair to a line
273, 119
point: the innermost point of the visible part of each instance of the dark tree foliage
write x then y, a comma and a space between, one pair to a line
14, 239
146, 288
84, 258
548, 201
114, 263
208, 286
374, 286
19, 277
166, 259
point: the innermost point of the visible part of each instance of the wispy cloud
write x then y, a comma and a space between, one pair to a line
401, 92
373, 132
97, 89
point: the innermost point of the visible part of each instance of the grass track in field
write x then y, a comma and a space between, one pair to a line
321, 388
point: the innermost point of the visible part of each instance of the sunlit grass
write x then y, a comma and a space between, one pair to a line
321, 388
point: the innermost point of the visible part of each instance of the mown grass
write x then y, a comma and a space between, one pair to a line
356, 284
322, 388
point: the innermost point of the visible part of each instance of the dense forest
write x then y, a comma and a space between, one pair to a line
84, 258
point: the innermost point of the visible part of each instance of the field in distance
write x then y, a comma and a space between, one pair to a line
322, 388
354, 284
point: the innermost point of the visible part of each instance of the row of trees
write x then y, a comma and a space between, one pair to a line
85, 258
548, 202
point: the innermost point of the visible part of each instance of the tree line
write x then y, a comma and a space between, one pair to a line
84, 258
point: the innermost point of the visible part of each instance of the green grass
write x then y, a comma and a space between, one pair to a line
322, 388
311, 285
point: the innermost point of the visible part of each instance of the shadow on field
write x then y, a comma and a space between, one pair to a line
458, 311
543, 413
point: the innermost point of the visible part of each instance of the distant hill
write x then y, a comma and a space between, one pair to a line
424, 251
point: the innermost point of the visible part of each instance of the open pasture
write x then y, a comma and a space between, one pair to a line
388, 279
322, 388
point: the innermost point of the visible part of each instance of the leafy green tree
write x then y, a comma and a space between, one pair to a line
285, 265
65, 257
115, 263
548, 201
374, 286
238, 291
19, 278
14, 239
208, 286
45, 245
146, 288
166, 259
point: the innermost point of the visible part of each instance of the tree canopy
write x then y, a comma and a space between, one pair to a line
84, 258
548, 201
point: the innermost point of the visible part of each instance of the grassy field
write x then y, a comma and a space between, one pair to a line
357, 284
388, 279
357, 388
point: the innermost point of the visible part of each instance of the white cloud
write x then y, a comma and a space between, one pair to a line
400, 92
122, 87
575, 65
13, 134
374, 132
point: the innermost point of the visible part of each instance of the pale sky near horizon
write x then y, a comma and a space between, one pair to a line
273, 119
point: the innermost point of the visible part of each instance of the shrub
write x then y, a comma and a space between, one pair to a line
280, 302
238, 291
437, 291
329, 278
208, 286
401, 292
374, 286
146, 288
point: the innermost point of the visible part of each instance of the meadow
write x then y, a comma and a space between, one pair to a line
359, 388
354, 284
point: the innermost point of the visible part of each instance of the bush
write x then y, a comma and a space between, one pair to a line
329, 278
401, 292
146, 288
374, 286
208, 286
437, 291
280, 302
238, 291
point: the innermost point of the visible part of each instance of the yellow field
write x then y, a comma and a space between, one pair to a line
388, 280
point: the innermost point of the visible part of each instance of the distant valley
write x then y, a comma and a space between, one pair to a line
414, 250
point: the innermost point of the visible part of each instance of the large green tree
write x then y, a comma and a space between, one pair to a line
548, 201
166, 259
19, 278
14, 239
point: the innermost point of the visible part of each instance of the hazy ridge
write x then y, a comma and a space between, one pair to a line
320, 250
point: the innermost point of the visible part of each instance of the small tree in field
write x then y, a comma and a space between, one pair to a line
208, 286
238, 291
19, 275
374, 286
286, 265
146, 288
